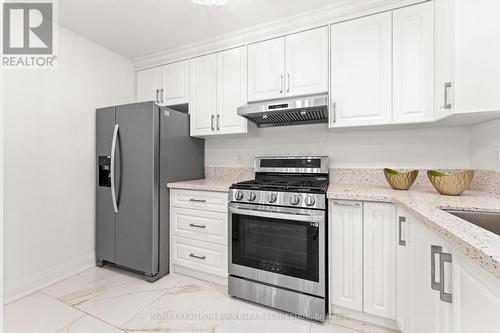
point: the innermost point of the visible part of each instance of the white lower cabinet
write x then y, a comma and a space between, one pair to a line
363, 249
476, 298
198, 230
379, 268
198, 255
439, 290
403, 271
386, 266
346, 221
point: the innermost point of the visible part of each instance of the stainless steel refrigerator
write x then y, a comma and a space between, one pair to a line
140, 148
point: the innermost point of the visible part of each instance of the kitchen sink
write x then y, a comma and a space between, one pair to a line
488, 221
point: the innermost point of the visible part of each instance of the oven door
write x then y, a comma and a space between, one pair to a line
279, 246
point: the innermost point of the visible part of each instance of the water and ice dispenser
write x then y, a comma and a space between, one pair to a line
105, 171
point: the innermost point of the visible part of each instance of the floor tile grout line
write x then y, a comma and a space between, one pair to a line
84, 312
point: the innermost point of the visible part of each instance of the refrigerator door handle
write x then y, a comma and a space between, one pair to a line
112, 171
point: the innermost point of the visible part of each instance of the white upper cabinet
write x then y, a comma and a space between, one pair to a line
444, 75
413, 63
361, 89
149, 82
202, 107
476, 55
289, 66
266, 67
166, 85
231, 90
176, 83
218, 88
306, 62
346, 254
379, 236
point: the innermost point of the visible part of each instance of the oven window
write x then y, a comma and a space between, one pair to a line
275, 245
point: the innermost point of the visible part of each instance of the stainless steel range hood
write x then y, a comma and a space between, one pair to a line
290, 111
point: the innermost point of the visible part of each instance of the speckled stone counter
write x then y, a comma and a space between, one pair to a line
208, 184
482, 246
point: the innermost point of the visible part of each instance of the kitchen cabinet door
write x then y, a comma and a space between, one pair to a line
266, 67
346, 254
444, 58
403, 271
361, 80
425, 305
413, 63
379, 273
202, 107
149, 83
176, 83
476, 297
306, 62
231, 90
477, 54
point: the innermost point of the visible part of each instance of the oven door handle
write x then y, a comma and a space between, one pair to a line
317, 217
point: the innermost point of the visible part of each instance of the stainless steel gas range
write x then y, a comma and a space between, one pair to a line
278, 232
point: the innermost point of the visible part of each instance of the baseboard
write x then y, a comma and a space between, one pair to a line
200, 275
45, 278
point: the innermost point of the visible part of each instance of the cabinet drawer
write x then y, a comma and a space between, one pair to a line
198, 224
202, 200
206, 257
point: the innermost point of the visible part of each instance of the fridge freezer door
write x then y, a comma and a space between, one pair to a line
136, 238
105, 217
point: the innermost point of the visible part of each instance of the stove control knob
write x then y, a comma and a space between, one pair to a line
309, 200
238, 195
272, 197
251, 196
294, 199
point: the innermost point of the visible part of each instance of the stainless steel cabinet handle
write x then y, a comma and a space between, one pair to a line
218, 118
447, 105
356, 204
287, 82
157, 100
435, 250
197, 200
281, 83
112, 171
201, 226
212, 122
192, 255
161, 96
445, 297
402, 219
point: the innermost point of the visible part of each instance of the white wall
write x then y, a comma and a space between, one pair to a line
50, 160
485, 146
404, 148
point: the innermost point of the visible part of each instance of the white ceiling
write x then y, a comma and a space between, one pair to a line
136, 28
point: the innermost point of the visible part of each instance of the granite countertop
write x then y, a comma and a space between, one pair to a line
424, 205
207, 184
480, 245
